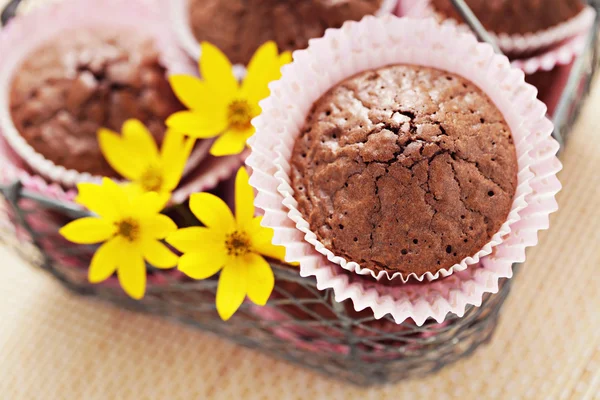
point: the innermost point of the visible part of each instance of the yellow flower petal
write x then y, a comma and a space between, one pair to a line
88, 230
104, 262
175, 153
94, 197
197, 124
158, 255
262, 238
270, 250
149, 204
231, 142
217, 71
198, 95
284, 58
172, 145
197, 239
244, 198
133, 189
158, 226
232, 288
189, 90
140, 141
260, 279
201, 265
132, 272
117, 195
117, 154
212, 212
261, 68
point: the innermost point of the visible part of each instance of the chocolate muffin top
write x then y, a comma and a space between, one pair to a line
83, 80
515, 16
405, 169
239, 27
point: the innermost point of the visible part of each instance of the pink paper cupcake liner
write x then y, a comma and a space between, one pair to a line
408, 56
516, 44
13, 170
410, 7
178, 13
25, 34
374, 43
562, 54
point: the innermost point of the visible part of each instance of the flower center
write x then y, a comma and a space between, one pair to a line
128, 228
237, 244
152, 179
240, 115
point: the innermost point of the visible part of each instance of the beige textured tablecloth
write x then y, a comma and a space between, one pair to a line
54, 345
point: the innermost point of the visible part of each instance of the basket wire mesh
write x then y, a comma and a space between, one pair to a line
300, 323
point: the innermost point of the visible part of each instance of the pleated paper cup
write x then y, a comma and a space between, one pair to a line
26, 33
370, 44
518, 43
309, 84
559, 55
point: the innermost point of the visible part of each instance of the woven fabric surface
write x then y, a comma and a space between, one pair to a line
54, 345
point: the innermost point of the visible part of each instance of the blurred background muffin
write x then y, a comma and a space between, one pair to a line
239, 27
521, 28
515, 16
85, 79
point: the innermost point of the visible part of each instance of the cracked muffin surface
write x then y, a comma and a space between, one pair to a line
239, 27
405, 169
85, 79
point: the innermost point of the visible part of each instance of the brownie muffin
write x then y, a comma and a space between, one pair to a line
239, 27
515, 16
404, 169
83, 80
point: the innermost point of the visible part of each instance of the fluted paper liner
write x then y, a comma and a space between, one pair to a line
562, 54
558, 54
283, 152
374, 43
178, 13
517, 43
410, 7
26, 33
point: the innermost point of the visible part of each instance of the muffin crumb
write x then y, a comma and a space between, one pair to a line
404, 169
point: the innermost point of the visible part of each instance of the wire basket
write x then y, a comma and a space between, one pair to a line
300, 323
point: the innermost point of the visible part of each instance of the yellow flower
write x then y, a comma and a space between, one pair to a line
129, 227
135, 156
218, 104
234, 246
